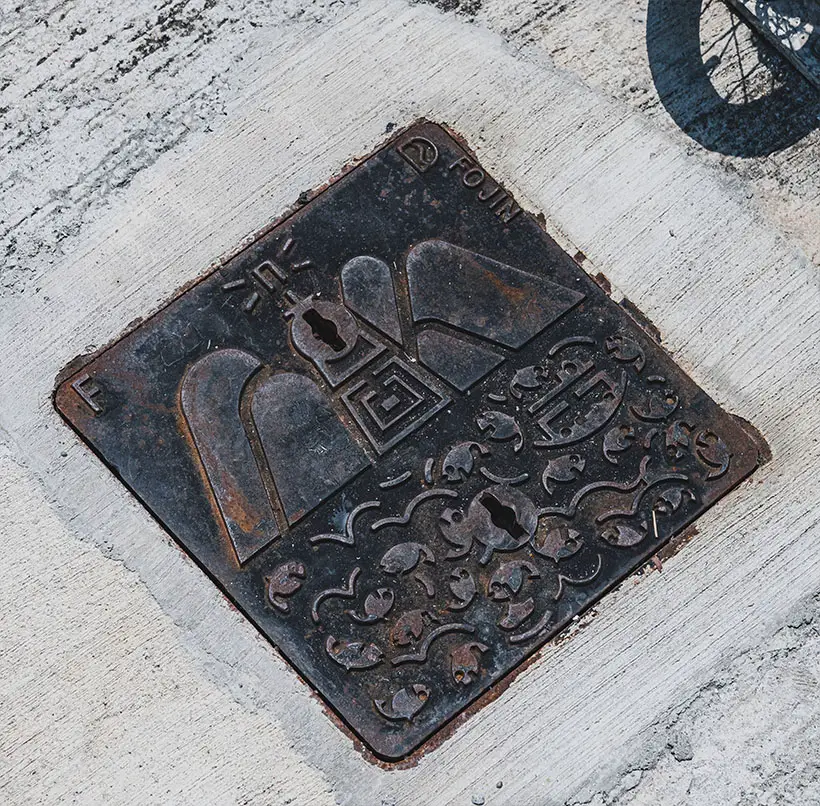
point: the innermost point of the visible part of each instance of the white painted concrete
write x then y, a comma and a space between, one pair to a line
126, 676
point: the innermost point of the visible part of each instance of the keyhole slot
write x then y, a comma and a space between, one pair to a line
324, 330
502, 516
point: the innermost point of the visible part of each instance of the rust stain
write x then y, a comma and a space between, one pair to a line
602, 280
642, 319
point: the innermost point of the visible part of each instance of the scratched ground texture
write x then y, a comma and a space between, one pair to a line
142, 141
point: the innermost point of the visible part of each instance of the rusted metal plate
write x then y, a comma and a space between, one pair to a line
407, 436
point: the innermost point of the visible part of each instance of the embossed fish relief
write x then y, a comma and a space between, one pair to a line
623, 535
556, 539
509, 578
462, 586
501, 427
517, 614
404, 557
459, 461
409, 627
618, 440
285, 580
562, 469
465, 662
712, 451
622, 348
377, 605
455, 533
405, 704
527, 379
671, 500
658, 405
678, 439
353, 654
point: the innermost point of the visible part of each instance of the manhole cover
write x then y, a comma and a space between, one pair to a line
407, 435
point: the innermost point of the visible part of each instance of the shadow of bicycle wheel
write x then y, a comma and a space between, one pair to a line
753, 127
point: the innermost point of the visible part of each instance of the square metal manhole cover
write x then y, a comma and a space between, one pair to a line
407, 435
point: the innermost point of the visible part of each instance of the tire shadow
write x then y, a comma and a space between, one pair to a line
755, 127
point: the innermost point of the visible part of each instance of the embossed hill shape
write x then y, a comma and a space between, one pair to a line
310, 453
482, 296
457, 291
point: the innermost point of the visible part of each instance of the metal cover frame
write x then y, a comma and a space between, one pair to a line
536, 443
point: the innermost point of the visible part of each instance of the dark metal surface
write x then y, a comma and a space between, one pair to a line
407, 436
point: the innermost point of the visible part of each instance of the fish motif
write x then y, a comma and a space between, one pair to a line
459, 461
527, 379
404, 557
409, 627
659, 404
623, 535
465, 662
678, 440
353, 654
509, 578
501, 427
283, 582
562, 469
617, 440
556, 539
517, 614
462, 586
405, 704
713, 452
670, 500
450, 523
377, 605
624, 349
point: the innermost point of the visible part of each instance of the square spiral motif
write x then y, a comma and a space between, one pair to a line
412, 445
393, 402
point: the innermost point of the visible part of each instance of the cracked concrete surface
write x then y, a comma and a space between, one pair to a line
92, 94
747, 737
131, 681
84, 700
